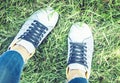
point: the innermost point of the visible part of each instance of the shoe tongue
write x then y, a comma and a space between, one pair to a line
29, 46
77, 66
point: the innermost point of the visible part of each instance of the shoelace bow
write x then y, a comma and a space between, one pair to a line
78, 53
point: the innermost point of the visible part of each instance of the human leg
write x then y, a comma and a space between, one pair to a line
78, 80
11, 64
30, 36
80, 51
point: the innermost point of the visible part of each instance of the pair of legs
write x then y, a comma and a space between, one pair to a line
32, 33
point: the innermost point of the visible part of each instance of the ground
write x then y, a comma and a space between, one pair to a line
49, 62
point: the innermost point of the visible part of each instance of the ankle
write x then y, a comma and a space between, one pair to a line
75, 73
23, 51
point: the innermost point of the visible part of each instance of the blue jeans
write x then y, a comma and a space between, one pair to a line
11, 65
79, 80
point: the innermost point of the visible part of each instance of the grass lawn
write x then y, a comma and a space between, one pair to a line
49, 62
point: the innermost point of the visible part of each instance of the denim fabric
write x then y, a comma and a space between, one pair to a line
11, 65
78, 80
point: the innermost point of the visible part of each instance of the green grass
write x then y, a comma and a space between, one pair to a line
49, 63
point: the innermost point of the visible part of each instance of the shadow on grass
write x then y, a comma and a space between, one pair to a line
5, 44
